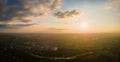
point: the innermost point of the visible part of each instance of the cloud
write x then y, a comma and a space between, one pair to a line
12, 10
56, 29
14, 26
66, 14
113, 5
3, 26
24, 20
20, 25
118, 14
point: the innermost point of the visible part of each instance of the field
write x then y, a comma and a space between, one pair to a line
47, 47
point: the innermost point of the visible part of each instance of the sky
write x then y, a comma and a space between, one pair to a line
60, 16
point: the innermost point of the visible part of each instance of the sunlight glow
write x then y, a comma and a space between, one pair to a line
84, 25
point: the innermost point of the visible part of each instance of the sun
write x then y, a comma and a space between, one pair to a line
84, 25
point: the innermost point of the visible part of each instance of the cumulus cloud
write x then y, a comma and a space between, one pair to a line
12, 10
66, 14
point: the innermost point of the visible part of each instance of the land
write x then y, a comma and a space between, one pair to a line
34, 47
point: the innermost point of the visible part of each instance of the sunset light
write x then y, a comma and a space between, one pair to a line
84, 26
59, 30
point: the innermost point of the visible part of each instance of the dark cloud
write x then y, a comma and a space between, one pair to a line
66, 14
12, 10
14, 26
3, 26
24, 20
9, 9
20, 25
